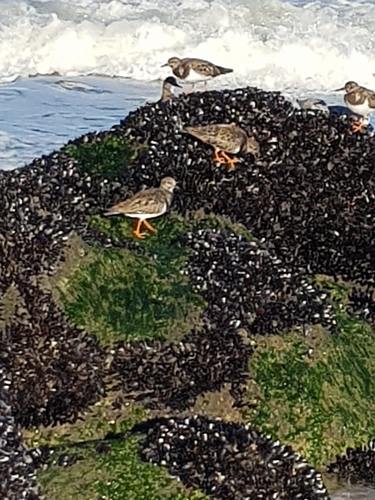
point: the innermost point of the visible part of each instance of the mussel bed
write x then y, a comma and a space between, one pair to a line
308, 202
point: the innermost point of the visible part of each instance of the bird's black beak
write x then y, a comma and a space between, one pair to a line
338, 90
177, 85
164, 65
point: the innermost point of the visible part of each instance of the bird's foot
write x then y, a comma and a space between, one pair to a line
230, 162
137, 231
358, 126
149, 227
139, 235
218, 158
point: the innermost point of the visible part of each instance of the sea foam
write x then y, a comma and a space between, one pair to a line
310, 46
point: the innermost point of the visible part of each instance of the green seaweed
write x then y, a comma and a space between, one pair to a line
169, 228
118, 294
133, 479
313, 391
58, 483
117, 475
164, 245
106, 157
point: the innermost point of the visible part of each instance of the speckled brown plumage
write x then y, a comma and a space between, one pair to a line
360, 101
229, 138
192, 70
146, 204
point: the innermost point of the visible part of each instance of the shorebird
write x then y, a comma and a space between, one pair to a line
360, 101
167, 92
225, 139
146, 204
191, 70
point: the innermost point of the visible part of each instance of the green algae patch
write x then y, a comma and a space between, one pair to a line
116, 474
58, 483
119, 294
136, 294
132, 479
106, 157
170, 228
164, 245
316, 393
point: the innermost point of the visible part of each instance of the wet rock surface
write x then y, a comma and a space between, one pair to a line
308, 198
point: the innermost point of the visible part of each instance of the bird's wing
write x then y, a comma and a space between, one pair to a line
219, 135
150, 201
204, 68
231, 139
359, 96
205, 133
370, 94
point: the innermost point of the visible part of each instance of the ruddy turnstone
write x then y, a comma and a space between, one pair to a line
360, 101
194, 71
145, 205
167, 92
225, 139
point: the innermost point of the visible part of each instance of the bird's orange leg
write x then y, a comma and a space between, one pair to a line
357, 126
217, 157
190, 90
230, 161
149, 227
137, 228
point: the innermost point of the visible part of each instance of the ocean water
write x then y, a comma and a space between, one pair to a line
71, 66
39, 115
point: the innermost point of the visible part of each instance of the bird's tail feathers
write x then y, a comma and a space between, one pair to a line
224, 71
109, 213
187, 130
